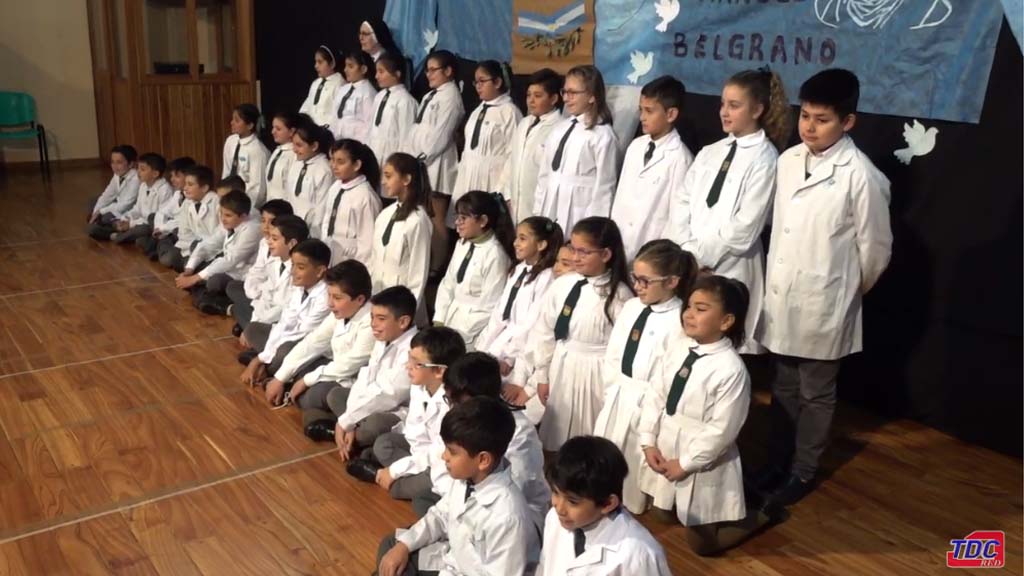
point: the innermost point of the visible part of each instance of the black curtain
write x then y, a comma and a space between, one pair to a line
943, 327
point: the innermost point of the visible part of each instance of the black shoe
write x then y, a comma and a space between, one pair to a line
320, 431
213, 308
246, 356
776, 513
791, 492
769, 479
364, 470
236, 330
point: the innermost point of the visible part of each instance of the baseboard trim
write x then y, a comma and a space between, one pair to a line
68, 164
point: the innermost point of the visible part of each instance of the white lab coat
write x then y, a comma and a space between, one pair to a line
196, 225
310, 201
525, 456
727, 236
119, 195
347, 343
644, 193
701, 434
422, 428
148, 202
616, 545
584, 184
506, 339
395, 128
320, 110
831, 241
405, 260
434, 136
354, 121
229, 252
624, 395
466, 306
260, 270
358, 207
252, 165
382, 385
481, 167
272, 295
166, 219
519, 179
278, 166
490, 532
298, 318
574, 367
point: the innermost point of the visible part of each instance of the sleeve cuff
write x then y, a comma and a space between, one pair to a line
648, 439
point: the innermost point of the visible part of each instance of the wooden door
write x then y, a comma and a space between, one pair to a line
102, 77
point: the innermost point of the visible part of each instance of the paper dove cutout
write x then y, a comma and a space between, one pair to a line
919, 141
667, 10
642, 64
429, 40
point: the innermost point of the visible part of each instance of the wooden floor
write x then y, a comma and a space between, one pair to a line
128, 445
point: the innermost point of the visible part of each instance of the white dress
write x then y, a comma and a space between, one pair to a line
309, 197
406, 258
320, 107
391, 134
278, 165
519, 179
353, 207
574, 368
625, 394
505, 339
353, 121
433, 136
252, 163
727, 236
466, 306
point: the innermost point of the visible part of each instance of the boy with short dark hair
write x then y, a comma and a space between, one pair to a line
588, 530
165, 222
483, 525
266, 267
154, 191
119, 195
198, 218
272, 294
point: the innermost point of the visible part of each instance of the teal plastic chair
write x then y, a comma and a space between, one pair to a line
18, 122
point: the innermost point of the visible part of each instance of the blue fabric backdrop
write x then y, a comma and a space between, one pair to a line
476, 29
408, 21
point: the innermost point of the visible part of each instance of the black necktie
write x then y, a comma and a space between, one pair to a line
513, 293
197, 205
302, 175
234, 161
716, 186
231, 233
334, 213
476, 129
305, 294
649, 154
461, 275
634, 341
579, 541
281, 269
120, 180
181, 200
423, 107
562, 324
561, 146
380, 109
319, 89
679, 382
536, 120
344, 100
273, 162
386, 238
469, 491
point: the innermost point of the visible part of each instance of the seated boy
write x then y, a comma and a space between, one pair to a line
227, 255
400, 462
306, 308
378, 398
483, 525
332, 354
588, 531
154, 191
165, 221
119, 195
198, 218
243, 292
285, 233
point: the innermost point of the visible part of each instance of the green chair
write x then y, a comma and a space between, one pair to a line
18, 122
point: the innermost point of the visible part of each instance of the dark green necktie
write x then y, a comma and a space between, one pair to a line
344, 100
579, 541
302, 175
383, 104
476, 129
557, 161
649, 154
273, 162
679, 382
633, 343
513, 293
319, 89
465, 263
716, 186
423, 108
334, 213
469, 491
562, 324
386, 238
234, 161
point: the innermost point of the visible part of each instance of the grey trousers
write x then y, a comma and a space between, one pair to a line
257, 335
391, 447
134, 233
411, 569
170, 255
329, 400
241, 306
803, 402
103, 227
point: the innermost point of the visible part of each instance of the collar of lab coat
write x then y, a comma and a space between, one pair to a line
839, 154
496, 484
747, 141
208, 200
667, 143
449, 86
669, 305
359, 83
713, 348
601, 280
286, 147
552, 117
481, 239
501, 99
242, 227
336, 77
353, 182
610, 532
398, 342
359, 314
245, 141
130, 175
314, 291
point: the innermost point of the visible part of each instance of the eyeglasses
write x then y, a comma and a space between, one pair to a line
584, 251
481, 82
566, 92
434, 69
463, 217
421, 365
644, 282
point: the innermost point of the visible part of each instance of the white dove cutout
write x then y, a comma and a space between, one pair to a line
642, 64
667, 10
919, 141
429, 40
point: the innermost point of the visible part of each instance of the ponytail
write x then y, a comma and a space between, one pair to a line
735, 299
492, 205
419, 184
765, 88
359, 152
551, 233
668, 259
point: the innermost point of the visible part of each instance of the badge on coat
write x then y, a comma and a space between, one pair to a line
567, 311
635, 336
684, 372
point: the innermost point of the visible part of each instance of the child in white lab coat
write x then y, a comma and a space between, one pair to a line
353, 102
654, 167
165, 222
119, 195
479, 267
519, 179
581, 159
282, 129
831, 241
483, 524
692, 414
726, 198
587, 531
266, 266
319, 103
310, 176
154, 191
569, 340
488, 132
401, 234
198, 217
245, 155
394, 109
662, 276
353, 203
270, 294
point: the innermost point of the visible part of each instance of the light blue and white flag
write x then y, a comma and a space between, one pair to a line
413, 25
